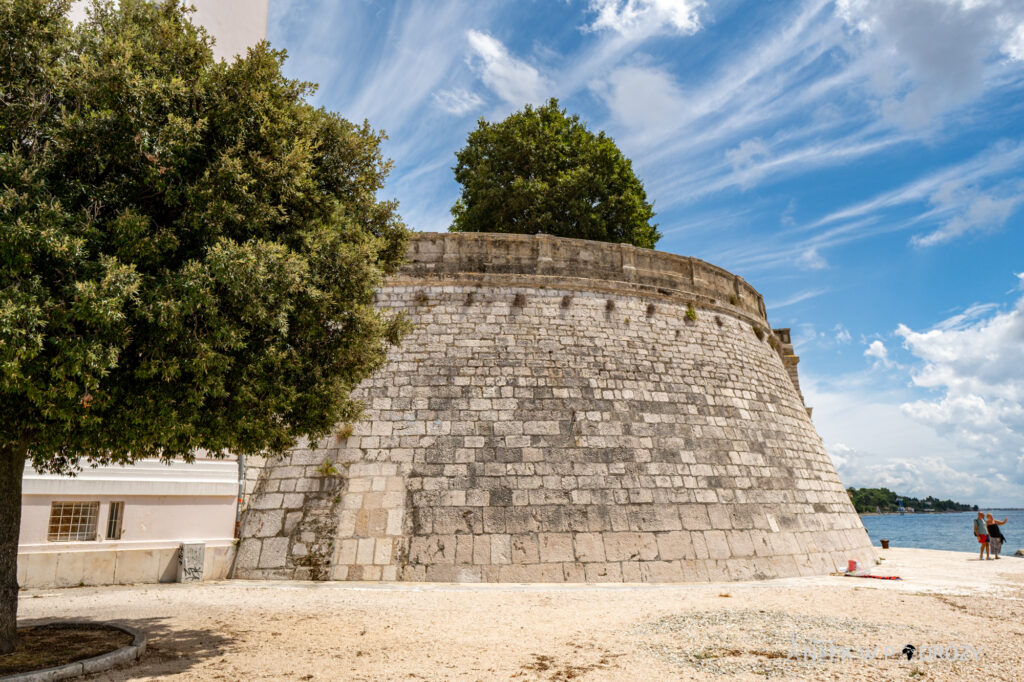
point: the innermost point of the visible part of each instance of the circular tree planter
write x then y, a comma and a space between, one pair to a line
93, 664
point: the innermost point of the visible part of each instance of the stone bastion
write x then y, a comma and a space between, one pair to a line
562, 411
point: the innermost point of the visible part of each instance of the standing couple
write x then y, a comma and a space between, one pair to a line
986, 529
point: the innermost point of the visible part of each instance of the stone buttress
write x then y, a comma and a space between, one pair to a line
562, 411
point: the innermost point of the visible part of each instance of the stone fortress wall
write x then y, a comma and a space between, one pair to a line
563, 410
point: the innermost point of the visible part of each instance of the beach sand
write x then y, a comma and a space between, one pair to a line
827, 628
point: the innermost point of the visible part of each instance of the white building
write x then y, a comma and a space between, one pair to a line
125, 524
114, 524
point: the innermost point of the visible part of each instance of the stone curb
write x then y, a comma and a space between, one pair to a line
125, 654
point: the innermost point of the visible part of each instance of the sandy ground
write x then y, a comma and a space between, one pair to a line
965, 617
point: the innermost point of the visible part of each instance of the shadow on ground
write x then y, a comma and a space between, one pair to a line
169, 651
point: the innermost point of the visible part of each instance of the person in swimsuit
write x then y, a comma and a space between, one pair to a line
981, 532
995, 536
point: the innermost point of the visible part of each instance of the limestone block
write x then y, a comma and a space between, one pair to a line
274, 553
740, 544
675, 545
481, 549
718, 546
631, 572
463, 549
630, 547
501, 549
694, 571
264, 524
248, 554
660, 571
695, 517
382, 551
700, 545
589, 547
494, 520
574, 573
525, 549
346, 553
291, 522
552, 573
364, 551
269, 501
556, 547
603, 573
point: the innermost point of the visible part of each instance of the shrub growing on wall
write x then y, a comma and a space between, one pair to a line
541, 171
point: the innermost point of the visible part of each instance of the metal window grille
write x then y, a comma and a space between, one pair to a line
71, 521
115, 517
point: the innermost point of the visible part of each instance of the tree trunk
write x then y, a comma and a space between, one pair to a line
12, 468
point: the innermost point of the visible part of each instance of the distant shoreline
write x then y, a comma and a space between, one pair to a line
896, 513
916, 513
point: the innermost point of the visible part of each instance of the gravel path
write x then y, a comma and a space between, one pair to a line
965, 619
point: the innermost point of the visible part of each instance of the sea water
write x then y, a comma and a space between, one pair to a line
953, 531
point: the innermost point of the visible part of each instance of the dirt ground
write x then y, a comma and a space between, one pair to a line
964, 617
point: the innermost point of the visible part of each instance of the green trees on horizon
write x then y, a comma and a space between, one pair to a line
867, 500
190, 250
542, 171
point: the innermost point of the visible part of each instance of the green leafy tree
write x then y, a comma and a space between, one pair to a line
189, 250
540, 171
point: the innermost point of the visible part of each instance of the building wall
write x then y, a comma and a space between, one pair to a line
234, 24
164, 506
557, 415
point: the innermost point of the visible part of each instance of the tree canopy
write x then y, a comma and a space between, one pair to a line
866, 500
190, 249
541, 171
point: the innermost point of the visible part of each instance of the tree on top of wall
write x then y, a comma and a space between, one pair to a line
190, 250
541, 171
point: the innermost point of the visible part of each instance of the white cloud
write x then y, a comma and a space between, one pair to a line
812, 260
747, 161
795, 298
975, 361
458, 101
973, 209
873, 443
842, 334
879, 353
968, 356
928, 56
641, 98
511, 79
918, 477
1014, 45
965, 442
647, 17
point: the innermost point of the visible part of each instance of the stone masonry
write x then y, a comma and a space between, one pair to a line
568, 411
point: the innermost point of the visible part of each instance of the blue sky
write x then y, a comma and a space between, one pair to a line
860, 162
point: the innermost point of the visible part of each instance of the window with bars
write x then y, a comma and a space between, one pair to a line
115, 516
71, 521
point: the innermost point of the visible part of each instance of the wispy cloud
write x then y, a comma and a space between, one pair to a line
511, 79
794, 299
458, 101
999, 159
647, 17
